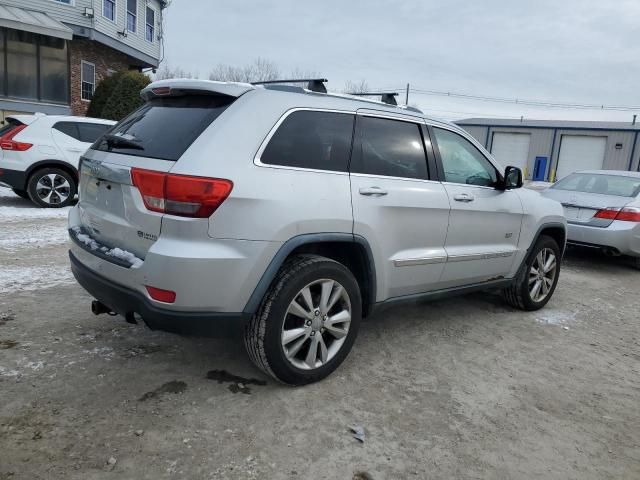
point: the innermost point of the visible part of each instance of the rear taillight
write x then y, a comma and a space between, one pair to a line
180, 195
8, 143
626, 214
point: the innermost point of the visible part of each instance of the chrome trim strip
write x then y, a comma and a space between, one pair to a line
106, 171
410, 262
479, 256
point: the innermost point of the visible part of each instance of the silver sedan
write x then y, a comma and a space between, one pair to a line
602, 209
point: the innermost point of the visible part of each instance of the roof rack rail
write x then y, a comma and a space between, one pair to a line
314, 84
387, 97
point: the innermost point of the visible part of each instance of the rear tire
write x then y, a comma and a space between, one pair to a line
21, 193
51, 188
297, 345
534, 287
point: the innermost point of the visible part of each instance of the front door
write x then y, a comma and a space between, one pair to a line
484, 225
401, 213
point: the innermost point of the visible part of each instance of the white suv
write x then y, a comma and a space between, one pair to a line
292, 214
39, 155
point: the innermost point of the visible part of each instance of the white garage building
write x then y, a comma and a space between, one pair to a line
552, 149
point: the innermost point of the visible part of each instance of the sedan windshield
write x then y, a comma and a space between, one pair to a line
601, 184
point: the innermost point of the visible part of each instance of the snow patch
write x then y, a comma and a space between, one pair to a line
23, 278
111, 252
30, 236
556, 317
13, 208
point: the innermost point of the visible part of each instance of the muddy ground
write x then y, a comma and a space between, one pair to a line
463, 388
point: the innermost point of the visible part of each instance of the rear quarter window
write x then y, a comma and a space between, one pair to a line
312, 139
90, 132
165, 127
68, 128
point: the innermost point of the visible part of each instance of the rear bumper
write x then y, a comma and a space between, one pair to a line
13, 178
622, 236
125, 301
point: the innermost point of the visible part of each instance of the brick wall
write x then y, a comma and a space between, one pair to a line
103, 57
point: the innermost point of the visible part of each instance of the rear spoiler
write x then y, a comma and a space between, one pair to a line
173, 87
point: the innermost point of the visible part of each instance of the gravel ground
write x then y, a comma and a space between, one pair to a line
464, 388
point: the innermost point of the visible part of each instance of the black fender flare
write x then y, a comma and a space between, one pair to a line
290, 245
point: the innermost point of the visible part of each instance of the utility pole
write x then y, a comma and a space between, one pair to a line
406, 98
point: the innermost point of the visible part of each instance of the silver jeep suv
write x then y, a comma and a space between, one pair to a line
289, 214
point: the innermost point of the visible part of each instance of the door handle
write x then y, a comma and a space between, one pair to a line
372, 191
463, 197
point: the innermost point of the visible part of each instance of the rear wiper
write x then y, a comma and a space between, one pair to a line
122, 141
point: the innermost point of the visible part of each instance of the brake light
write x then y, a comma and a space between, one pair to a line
626, 214
166, 296
629, 214
8, 143
181, 195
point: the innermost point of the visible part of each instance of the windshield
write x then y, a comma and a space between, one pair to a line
600, 184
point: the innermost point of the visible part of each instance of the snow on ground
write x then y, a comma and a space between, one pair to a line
25, 278
13, 208
32, 245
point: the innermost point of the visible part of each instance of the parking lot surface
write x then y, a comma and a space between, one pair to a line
459, 388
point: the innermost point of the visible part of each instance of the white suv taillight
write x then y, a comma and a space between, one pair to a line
8, 143
181, 195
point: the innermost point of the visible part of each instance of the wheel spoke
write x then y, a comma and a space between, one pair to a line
324, 353
551, 264
535, 290
312, 354
289, 336
298, 311
327, 288
337, 293
306, 295
295, 348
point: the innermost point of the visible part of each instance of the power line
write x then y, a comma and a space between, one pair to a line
532, 103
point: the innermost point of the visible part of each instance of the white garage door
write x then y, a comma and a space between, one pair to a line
511, 149
580, 152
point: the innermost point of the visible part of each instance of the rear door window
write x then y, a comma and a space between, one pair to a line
90, 132
165, 127
392, 148
312, 139
68, 128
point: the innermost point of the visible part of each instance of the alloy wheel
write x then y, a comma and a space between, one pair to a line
542, 274
53, 189
316, 324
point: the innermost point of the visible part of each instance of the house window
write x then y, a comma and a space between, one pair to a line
22, 65
132, 15
54, 70
109, 9
88, 80
151, 25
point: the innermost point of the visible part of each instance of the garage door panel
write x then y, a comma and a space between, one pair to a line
580, 152
511, 149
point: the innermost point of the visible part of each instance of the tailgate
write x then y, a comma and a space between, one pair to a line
111, 208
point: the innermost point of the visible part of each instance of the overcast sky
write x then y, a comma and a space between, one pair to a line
578, 51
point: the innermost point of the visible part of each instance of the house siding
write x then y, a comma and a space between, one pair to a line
74, 15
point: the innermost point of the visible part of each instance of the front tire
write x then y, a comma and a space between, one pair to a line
51, 188
307, 322
535, 285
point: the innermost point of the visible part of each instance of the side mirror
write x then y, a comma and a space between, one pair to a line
512, 178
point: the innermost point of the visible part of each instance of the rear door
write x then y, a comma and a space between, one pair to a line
66, 136
396, 206
111, 208
484, 225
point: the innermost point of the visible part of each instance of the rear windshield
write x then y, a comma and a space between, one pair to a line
165, 127
601, 184
10, 125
